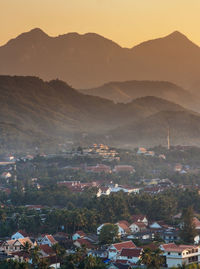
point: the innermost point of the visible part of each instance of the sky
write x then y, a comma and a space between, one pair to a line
127, 22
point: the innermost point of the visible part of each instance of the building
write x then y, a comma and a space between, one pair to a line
47, 239
141, 151
139, 218
115, 249
77, 235
124, 169
123, 228
176, 255
136, 227
11, 246
82, 242
19, 235
130, 256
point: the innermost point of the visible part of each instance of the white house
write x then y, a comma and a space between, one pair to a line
180, 254
115, 249
123, 228
103, 191
137, 227
131, 256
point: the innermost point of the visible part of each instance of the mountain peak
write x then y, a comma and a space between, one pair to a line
176, 35
34, 33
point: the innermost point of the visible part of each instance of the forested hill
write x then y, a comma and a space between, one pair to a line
129, 90
38, 113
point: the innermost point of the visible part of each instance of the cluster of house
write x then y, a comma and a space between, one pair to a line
77, 186
104, 151
112, 188
145, 152
102, 168
19, 246
125, 253
181, 169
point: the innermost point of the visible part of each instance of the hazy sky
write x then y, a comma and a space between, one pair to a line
127, 22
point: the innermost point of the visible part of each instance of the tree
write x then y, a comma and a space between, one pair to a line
108, 234
60, 252
27, 247
152, 258
188, 231
91, 262
35, 256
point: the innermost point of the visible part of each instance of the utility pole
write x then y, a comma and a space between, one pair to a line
168, 139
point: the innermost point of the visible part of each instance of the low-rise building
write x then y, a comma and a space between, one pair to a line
177, 255
115, 249
130, 256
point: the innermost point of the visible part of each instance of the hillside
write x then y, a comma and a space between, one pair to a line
35, 113
124, 92
90, 60
184, 130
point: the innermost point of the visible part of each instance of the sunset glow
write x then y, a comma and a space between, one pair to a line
127, 22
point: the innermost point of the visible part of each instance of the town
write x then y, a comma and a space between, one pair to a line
110, 207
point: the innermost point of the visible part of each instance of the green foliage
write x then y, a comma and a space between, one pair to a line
152, 258
188, 232
108, 234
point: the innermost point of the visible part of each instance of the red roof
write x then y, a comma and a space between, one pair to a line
177, 248
126, 244
24, 233
124, 168
81, 233
51, 238
138, 218
128, 252
85, 242
124, 225
47, 249
140, 224
151, 246
23, 254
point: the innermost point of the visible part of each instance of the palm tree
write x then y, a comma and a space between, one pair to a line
152, 258
43, 264
90, 262
60, 252
27, 247
35, 256
146, 256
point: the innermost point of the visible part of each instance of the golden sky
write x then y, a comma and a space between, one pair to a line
127, 22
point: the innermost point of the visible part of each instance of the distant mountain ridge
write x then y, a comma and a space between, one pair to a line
124, 92
35, 113
90, 60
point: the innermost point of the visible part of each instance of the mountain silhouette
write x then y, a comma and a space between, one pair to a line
90, 60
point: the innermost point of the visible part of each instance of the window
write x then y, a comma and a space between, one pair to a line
179, 253
168, 253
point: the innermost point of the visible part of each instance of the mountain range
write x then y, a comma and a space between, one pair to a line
90, 60
124, 92
38, 113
